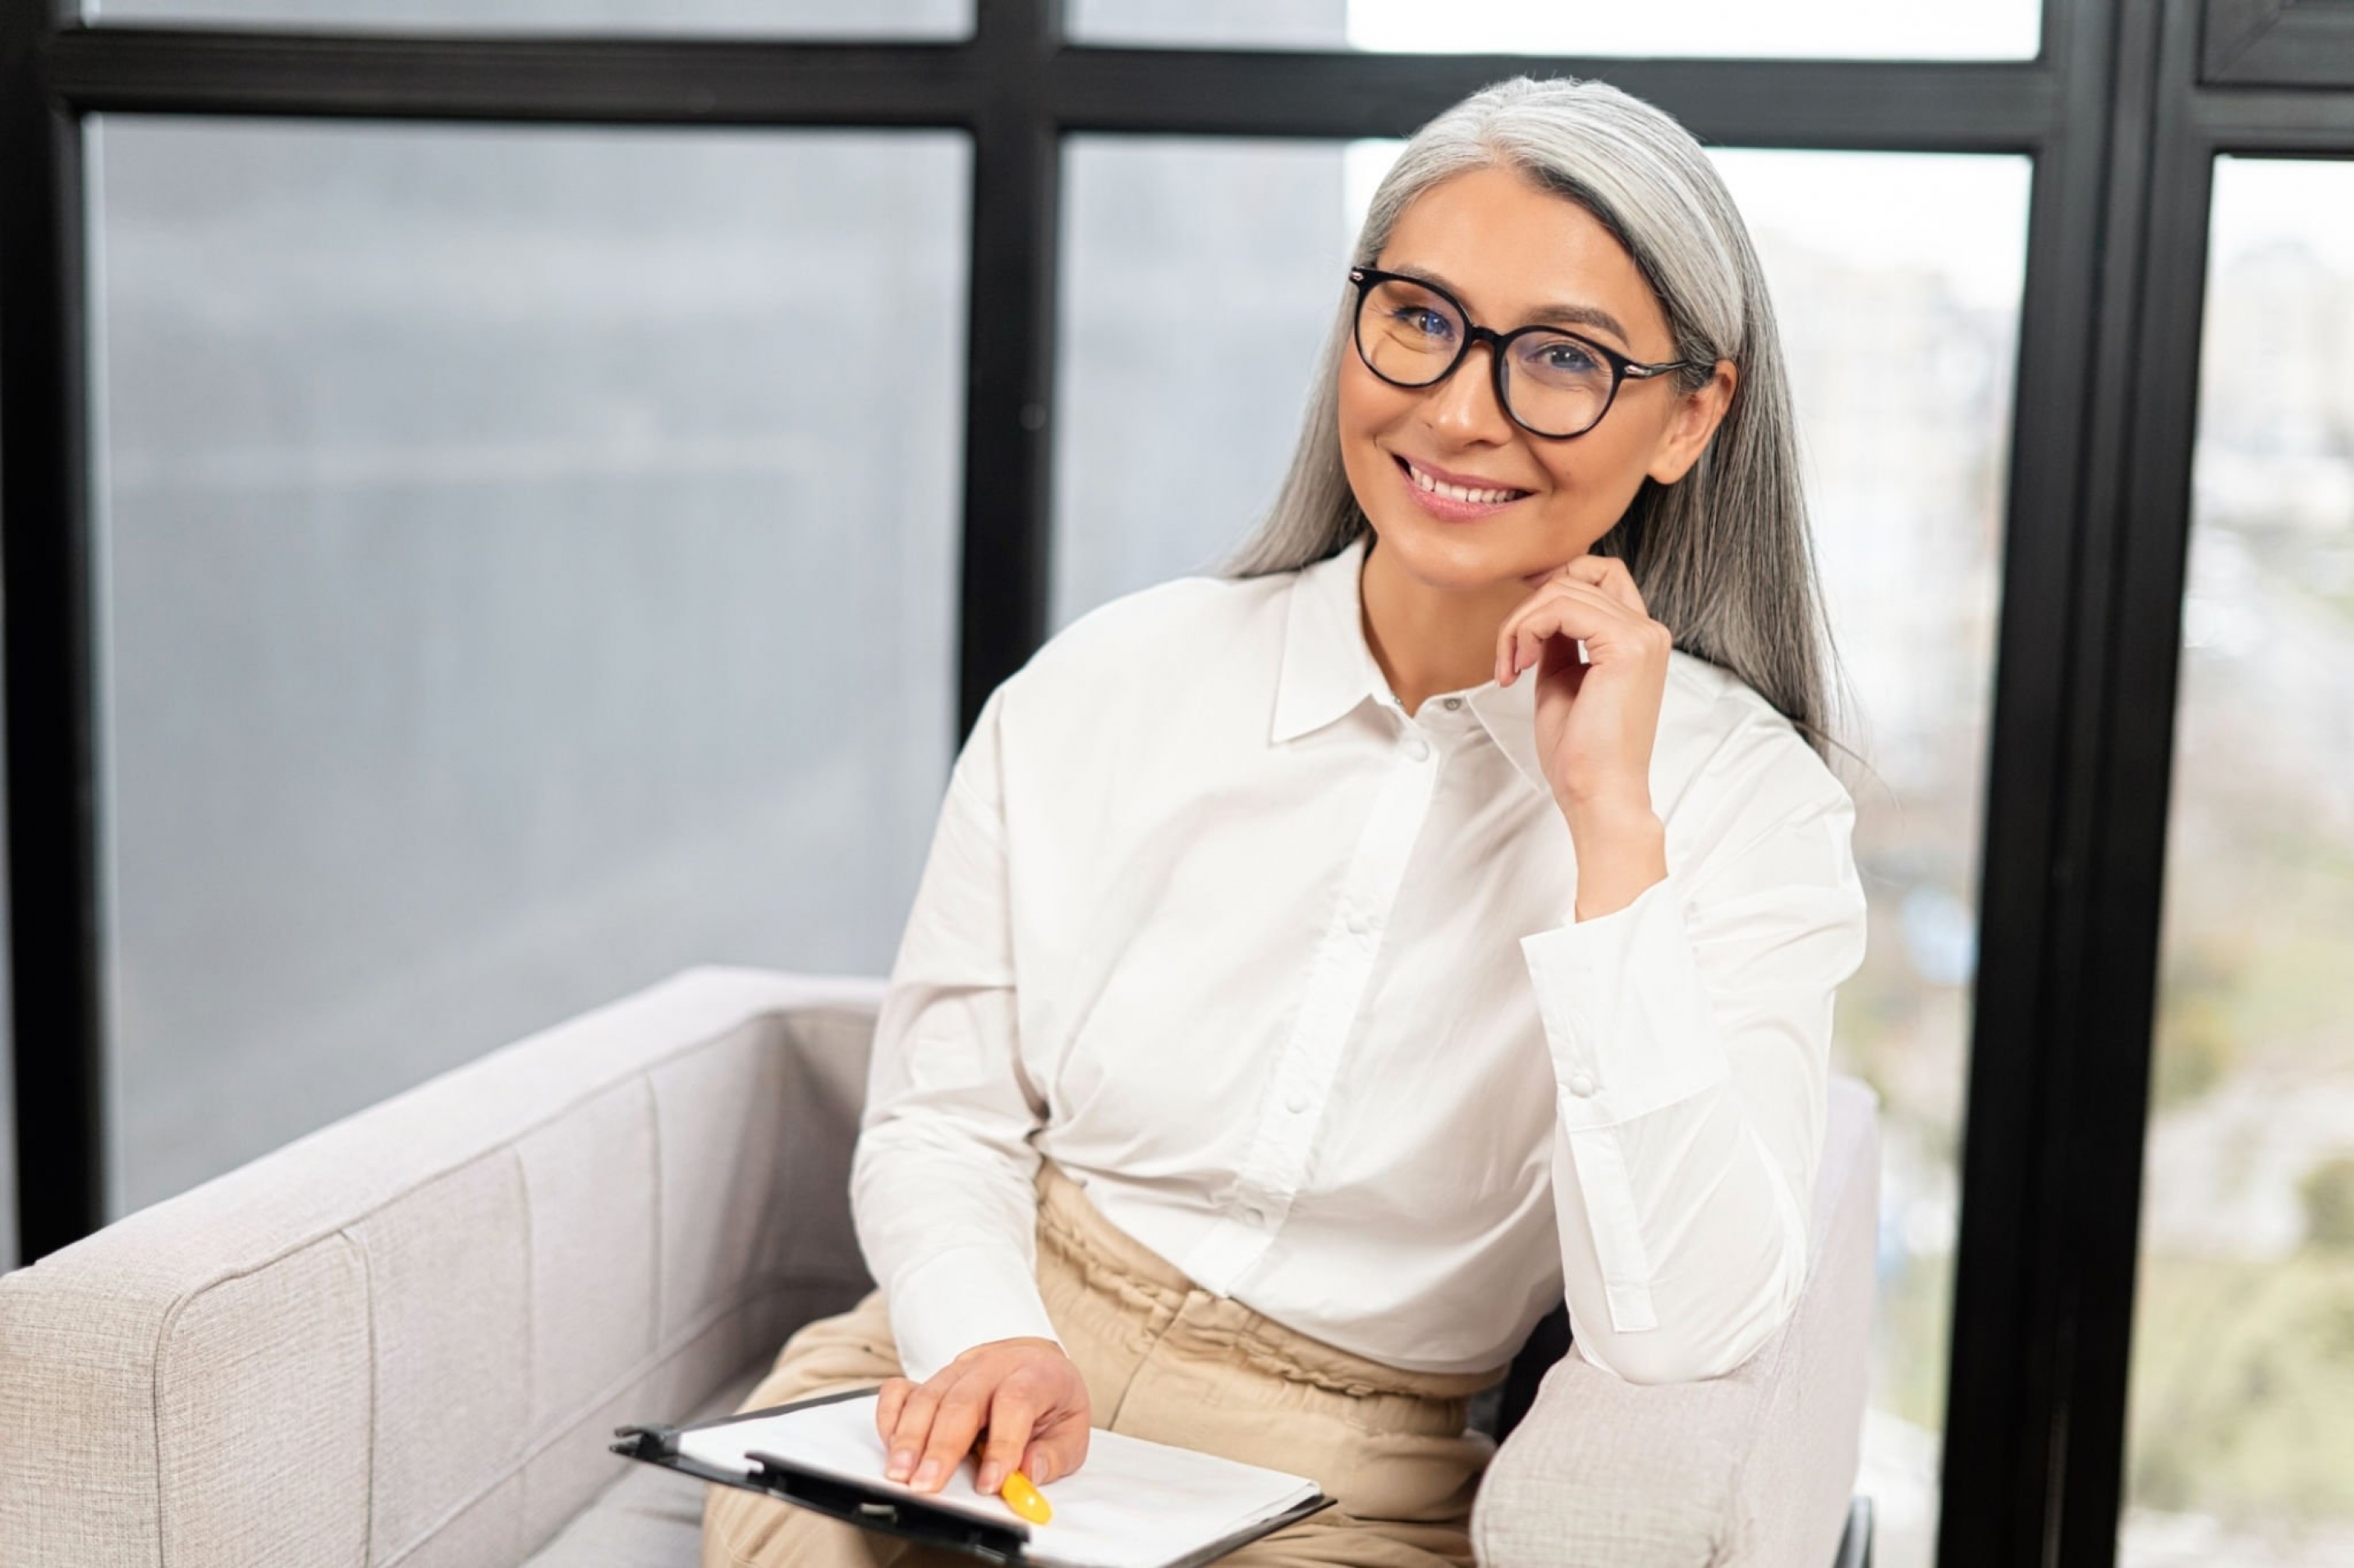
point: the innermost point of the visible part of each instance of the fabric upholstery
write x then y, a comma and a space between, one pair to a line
406, 1338
648, 1518
245, 1477
1753, 1467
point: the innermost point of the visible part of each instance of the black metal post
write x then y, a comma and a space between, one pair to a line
605, 81
58, 1028
1980, 106
2012, 1434
1010, 344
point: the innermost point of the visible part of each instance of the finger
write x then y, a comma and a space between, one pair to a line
1610, 574
1057, 1448
1037, 1463
1561, 608
954, 1427
889, 1400
1555, 654
1588, 616
1011, 1417
1577, 612
1536, 618
914, 1428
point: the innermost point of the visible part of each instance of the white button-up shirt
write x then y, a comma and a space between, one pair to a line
1291, 983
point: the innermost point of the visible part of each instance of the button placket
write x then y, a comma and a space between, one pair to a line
1343, 968
1339, 974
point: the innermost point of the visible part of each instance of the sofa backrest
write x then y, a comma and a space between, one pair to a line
406, 1338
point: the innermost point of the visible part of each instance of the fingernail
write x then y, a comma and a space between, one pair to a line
898, 1468
990, 1479
1040, 1471
929, 1473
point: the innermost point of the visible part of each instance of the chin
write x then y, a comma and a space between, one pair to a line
1454, 558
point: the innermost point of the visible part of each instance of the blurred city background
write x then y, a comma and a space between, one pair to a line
495, 525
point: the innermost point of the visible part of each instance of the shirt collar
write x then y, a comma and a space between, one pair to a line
1326, 669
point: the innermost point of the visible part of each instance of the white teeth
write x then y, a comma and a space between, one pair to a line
1459, 491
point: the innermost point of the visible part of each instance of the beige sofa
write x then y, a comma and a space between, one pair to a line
406, 1339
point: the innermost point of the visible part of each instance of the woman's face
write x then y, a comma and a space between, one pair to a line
1514, 254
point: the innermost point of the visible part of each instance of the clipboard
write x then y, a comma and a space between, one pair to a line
890, 1510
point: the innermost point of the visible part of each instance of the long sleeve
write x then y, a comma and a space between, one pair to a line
1691, 1041
942, 1182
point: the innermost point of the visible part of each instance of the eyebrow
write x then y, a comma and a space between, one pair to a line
1561, 314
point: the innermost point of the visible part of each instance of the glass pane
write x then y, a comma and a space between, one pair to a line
1168, 445
2241, 1445
1913, 259
1212, 23
1716, 30
1169, 454
511, 593
745, 18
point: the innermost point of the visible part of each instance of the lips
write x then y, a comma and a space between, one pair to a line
1454, 498
1463, 488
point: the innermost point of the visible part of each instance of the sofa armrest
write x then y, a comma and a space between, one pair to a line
1756, 1467
420, 1324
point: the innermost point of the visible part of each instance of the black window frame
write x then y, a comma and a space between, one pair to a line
2122, 112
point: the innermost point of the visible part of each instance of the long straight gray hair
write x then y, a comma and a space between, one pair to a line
1722, 558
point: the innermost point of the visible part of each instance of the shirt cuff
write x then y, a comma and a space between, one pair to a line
1626, 1010
964, 1297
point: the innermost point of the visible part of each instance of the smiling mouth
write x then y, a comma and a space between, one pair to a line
1474, 495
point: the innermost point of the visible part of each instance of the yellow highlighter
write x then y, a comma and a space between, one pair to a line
1025, 1499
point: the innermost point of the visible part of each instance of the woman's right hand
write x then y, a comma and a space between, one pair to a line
1026, 1393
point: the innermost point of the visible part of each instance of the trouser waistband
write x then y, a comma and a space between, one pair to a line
1114, 1261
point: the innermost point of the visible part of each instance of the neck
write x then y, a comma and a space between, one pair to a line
1429, 639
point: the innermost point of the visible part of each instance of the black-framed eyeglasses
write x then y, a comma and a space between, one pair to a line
1551, 383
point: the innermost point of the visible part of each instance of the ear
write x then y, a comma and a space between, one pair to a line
1695, 421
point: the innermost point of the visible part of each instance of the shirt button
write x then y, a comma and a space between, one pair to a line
1451, 703
1417, 747
1580, 1085
1358, 923
1296, 1101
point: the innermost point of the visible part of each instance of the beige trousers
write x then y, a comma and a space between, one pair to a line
1166, 1361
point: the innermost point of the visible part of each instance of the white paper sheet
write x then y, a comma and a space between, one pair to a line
1134, 1504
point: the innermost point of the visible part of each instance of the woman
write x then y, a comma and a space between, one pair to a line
1322, 967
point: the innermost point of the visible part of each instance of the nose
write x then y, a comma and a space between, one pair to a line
1464, 408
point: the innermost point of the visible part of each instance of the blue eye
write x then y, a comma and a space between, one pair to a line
1422, 319
1567, 359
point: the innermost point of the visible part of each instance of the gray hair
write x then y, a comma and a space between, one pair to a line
1722, 558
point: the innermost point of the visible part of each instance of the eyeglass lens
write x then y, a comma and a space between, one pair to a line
1554, 383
